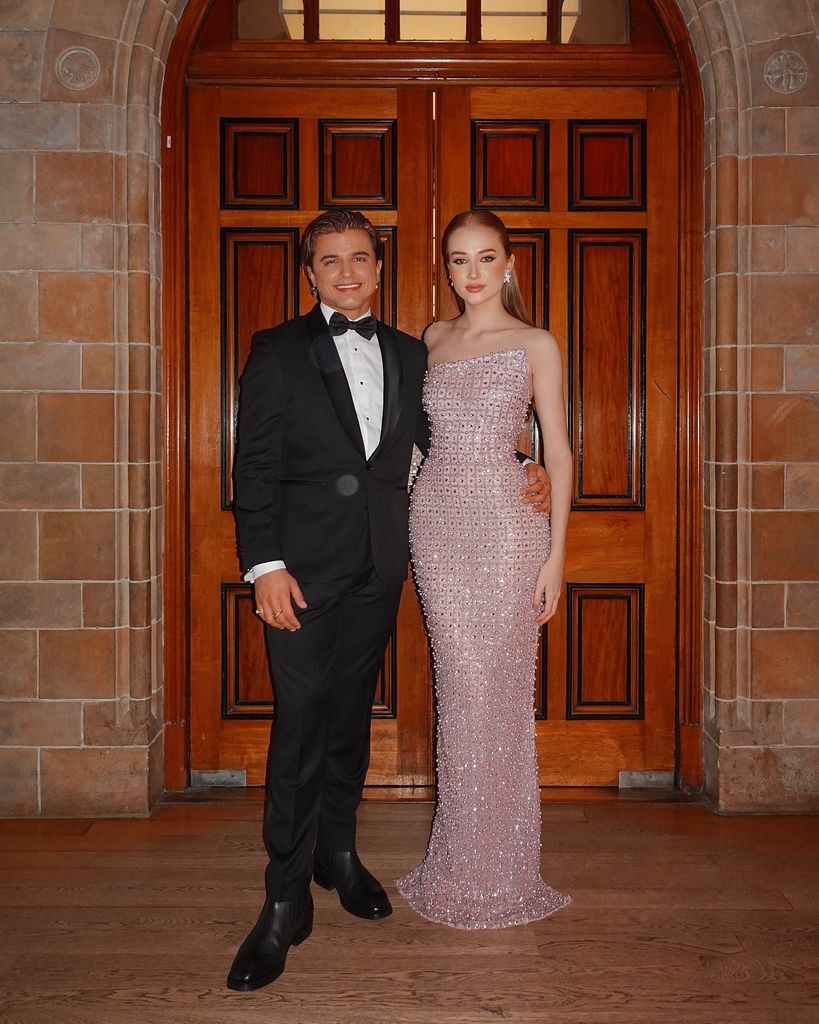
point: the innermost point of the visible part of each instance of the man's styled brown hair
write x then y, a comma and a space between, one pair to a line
334, 222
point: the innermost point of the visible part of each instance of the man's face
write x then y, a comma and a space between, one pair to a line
345, 271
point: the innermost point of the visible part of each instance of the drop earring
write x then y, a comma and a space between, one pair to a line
507, 276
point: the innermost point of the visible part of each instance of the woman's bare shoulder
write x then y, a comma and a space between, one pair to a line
436, 332
538, 337
541, 345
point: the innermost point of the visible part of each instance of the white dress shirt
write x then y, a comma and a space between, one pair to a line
361, 359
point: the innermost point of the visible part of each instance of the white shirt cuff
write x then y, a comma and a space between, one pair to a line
528, 462
259, 570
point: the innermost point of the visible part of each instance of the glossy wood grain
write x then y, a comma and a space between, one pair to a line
601, 282
259, 162
258, 286
357, 163
607, 165
531, 249
509, 164
607, 367
604, 296
252, 280
246, 683
677, 915
605, 650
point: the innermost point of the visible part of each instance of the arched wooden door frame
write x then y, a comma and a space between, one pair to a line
689, 774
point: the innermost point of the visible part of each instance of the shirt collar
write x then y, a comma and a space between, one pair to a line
328, 312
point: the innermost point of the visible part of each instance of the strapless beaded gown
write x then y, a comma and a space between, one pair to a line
477, 550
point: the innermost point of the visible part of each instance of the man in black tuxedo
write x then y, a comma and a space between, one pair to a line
330, 408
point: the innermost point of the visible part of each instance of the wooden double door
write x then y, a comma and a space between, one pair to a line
586, 180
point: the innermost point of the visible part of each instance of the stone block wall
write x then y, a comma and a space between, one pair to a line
81, 436
760, 74
80, 430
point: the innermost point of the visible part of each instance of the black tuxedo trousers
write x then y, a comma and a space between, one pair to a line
325, 675
305, 492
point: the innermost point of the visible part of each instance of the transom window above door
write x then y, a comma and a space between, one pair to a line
590, 22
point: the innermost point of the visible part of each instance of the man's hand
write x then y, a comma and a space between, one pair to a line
538, 491
275, 593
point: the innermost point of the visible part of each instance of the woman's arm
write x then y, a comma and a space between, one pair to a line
547, 384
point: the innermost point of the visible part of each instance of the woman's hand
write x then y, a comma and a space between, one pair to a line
547, 589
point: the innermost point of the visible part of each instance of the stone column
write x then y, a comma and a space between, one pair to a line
80, 412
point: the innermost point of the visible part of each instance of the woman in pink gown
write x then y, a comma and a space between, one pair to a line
490, 574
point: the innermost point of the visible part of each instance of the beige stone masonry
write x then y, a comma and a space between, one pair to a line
80, 608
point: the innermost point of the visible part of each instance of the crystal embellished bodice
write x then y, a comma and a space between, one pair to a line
477, 406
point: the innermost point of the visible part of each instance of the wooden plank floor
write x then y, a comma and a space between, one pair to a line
679, 916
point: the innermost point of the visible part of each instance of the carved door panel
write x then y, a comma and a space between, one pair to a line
586, 179
264, 161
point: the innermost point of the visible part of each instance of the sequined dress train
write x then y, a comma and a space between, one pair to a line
476, 552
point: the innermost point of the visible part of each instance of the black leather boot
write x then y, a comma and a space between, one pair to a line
263, 954
360, 893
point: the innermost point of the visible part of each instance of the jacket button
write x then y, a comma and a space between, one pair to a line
346, 486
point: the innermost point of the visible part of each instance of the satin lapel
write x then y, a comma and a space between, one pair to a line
326, 358
393, 383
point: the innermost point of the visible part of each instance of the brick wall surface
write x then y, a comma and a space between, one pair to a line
81, 449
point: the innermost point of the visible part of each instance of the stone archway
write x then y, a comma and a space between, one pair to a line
80, 285
724, 46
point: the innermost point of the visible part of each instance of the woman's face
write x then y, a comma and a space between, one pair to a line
476, 263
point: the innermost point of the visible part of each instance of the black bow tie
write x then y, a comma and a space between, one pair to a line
339, 324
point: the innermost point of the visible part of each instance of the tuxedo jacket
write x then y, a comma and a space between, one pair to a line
304, 491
